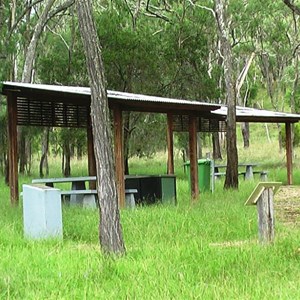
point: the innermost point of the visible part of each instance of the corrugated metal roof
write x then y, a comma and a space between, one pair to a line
247, 114
111, 94
160, 104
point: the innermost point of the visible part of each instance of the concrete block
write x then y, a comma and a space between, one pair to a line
42, 213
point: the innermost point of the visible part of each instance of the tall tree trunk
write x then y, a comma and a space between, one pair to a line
231, 180
199, 145
31, 49
22, 150
28, 149
6, 175
45, 146
246, 134
279, 137
67, 159
27, 73
110, 230
217, 154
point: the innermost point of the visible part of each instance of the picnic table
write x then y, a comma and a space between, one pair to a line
248, 173
78, 192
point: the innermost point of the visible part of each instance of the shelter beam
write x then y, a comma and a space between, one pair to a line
12, 148
289, 153
193, 157
170, 143
119, 154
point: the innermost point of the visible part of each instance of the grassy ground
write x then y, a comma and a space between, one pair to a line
204, 251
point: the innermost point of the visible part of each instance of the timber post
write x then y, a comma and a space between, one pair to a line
193, 158
170, 143
262, 197
265, 211
12, 148
91, 154
119, 155
289, 153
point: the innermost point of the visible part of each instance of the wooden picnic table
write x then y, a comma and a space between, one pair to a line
248, 166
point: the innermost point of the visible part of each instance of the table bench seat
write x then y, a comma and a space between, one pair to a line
89, 197
263, 174
219, 174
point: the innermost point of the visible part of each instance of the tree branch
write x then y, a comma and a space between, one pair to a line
154, 14
28, 7
60, 8
292, 6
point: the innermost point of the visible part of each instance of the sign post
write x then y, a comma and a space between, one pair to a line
262, 197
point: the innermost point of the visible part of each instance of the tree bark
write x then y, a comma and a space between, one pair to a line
45, 146
231, 180
246, 134
31, 50
110, 231
217, 154
292, 6
67, 159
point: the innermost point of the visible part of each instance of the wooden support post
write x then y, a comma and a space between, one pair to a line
119, 157
91, 154
170, 143
265, 211
12, 148
193, 157
289, 153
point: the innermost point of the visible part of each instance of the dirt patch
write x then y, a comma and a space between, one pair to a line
287, 205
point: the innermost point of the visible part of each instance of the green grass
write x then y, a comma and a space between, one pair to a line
204, 251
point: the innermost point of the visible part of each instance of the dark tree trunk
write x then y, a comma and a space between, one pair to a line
231, 180
217, 154
110, 230
63, 160
6, 173
45, 146
67, 159
279, 137
246, 134
28, 149
79, 151
22, 151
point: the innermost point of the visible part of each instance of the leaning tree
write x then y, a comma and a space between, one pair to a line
110, 231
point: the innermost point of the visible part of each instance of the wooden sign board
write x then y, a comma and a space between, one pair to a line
253, 198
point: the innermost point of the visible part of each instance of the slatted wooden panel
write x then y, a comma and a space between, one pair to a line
181, 124
51, 114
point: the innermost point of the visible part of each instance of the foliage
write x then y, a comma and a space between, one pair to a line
166, 49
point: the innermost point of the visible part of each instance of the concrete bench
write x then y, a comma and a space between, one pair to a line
129, 197
89, 197
218, 175
263, 174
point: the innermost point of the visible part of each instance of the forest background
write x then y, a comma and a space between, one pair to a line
163, 48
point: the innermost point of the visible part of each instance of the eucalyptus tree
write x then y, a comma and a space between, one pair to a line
231, 180
110, 231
